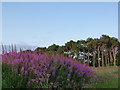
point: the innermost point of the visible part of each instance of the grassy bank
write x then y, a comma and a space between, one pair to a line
106, 77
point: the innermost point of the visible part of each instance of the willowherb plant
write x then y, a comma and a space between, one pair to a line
46, 71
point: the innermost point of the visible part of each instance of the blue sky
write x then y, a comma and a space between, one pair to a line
0, 22
42, 24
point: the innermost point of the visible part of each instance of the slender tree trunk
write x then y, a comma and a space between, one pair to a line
102, 59
106, 60
83, 56
94, 59
77, 54
114, 55
111, 58
98, 57
88, 54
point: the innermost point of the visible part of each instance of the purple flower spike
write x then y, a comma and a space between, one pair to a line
69, 75
56, 83
58, 77
22, 70
28, 83
26, 72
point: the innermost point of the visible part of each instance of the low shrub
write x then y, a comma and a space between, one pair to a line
46, 71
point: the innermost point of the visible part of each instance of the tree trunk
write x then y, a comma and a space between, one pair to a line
102, 59
98, 57
83, 56
94, 59
111, 58
88, 54
114, 55
106, 60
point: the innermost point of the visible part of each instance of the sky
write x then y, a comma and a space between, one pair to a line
43, 24
0, 22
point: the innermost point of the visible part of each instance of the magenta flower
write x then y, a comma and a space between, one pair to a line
28, 83
26, 72
69, 75
22, 70
58, 77
53, 73
41, 67
56, 83
35, 72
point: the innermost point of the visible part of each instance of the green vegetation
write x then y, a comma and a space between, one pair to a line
106, 77
101, 51
11, 80
32, 70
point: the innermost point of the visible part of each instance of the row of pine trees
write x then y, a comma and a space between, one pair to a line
105, 50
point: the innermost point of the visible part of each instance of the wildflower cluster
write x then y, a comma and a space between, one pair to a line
47, 71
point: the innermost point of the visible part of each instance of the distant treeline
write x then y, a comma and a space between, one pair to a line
101, 51
96, 52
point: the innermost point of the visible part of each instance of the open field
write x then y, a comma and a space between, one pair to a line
106, 77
